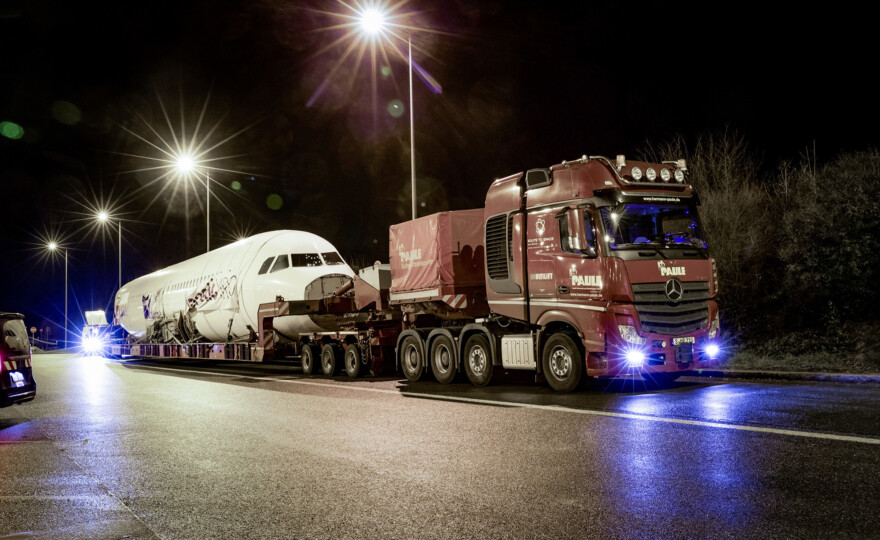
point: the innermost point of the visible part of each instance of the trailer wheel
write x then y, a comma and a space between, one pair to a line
411, 362
478, 360
352, 360
562, 362
309, 356
330, 354
443, 359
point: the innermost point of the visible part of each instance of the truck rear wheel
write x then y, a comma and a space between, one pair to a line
309, 356
562, 362
352, 360
330, 356
478, 360
443, 359
411, 362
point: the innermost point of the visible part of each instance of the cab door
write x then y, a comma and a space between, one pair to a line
577, 267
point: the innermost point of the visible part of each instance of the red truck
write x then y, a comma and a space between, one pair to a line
590, 267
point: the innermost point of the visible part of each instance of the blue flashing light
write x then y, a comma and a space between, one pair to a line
712, 350
635, 358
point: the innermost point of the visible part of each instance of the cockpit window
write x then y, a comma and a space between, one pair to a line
280, 263
332, 258
266, 264
305, 259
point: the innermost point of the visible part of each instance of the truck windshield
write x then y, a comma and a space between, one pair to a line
635, 225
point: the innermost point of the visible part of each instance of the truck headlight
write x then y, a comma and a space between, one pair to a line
629, 334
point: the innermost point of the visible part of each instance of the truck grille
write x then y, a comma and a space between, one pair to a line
658, 315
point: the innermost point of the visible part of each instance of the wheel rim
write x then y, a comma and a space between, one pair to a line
560, 362
442, 359
477, 360
411, 358
306, 359
325, 360
351, 359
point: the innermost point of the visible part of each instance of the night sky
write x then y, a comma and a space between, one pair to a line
524, 84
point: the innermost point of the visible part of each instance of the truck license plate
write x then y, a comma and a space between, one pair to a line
680, 340
16, 378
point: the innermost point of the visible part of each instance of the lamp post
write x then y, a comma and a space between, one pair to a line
104, 217
53, 247
186, 164
372, 23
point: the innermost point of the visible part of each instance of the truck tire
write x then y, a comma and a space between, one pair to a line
352, 360
562, 362
310, 357
478, 360
411, 362
330, 359
443, 359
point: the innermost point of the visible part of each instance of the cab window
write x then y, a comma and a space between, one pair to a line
280, 263
266, 265
590, 242
305, 259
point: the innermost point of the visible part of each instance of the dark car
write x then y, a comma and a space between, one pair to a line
16, 375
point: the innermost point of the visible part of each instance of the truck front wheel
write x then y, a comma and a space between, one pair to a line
562, 363
443, 359
411, 362
478, 360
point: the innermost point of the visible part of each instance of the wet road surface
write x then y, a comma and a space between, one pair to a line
203, 450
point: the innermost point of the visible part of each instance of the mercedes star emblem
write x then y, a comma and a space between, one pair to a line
674, 290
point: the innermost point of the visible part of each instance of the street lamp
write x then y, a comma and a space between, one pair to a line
53, 247
186, 164
104, 217
372, 23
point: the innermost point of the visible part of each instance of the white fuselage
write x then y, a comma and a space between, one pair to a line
220, 291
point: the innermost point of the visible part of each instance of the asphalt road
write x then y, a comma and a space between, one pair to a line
146, 450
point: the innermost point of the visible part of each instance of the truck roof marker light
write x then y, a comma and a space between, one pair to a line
636, 173
665, 175
651, 174
682, 164
621, 162
679, 176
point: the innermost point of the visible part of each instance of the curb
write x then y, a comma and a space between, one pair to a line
852, 378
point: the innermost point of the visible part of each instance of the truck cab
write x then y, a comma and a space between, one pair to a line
608, 257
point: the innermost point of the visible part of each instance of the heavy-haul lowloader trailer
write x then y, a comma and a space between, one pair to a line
590, 267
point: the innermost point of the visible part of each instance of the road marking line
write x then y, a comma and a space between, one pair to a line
556, 408
52, 497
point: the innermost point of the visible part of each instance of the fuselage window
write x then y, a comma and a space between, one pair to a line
332, 258
305, 259
266, 265
280, 263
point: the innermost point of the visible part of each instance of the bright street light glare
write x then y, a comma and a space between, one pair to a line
52, 246
102, 216
185, 163
372, 20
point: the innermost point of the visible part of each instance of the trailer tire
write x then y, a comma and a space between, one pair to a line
443, 359
352, 360
309, 356
330, 359
562, 362
411, 362
478, 360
